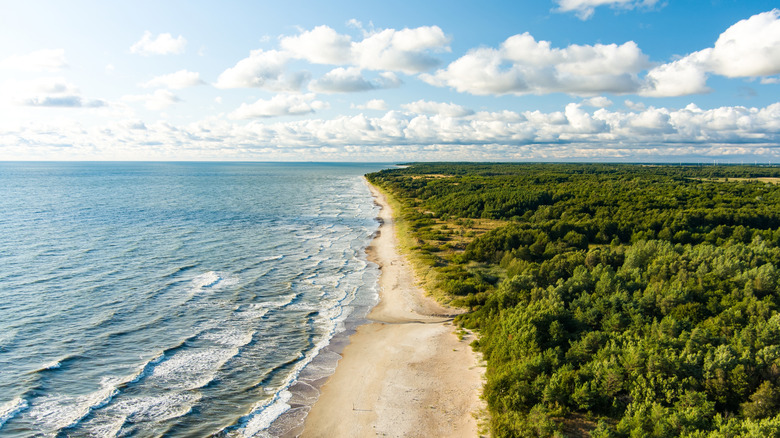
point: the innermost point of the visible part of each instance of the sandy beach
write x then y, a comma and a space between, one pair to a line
406, 373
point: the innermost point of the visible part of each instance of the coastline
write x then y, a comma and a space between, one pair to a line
405, 372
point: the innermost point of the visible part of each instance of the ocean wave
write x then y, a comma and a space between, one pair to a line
190, 369
271, 258
157, 408
11, 409
232, 337
138, 410
264, 413
52, 365
213, 280
56, 363
210, 282
258, 310
54, 413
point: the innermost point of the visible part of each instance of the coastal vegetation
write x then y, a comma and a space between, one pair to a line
610, 300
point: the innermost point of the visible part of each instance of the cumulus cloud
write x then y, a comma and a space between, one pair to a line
597, 102
571, 134
162, 44
39, 60
684, 76
321, 45
635, 106
749, 48
402, 50
585, 8
405, 50
522, 65
438, 108
178, 80
348, 80
279, 105
47, 92
65, 101
388, 50
157, 101
262, 69
373, 104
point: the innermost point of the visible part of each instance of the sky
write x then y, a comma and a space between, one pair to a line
366, 81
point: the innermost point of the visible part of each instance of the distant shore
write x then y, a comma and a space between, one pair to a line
405, 373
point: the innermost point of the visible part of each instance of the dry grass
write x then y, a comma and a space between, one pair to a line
766, 179
459, 236
431, 176
577, 425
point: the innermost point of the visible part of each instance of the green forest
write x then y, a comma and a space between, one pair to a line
609, 300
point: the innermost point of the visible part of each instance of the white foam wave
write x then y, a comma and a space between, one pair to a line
253, 311
213, 280
279, 301
52, 365
157, 408
57, 412
259, 310
233, 337
266, 415
10, 409
191, 369
271, 258
263, 414
103, 425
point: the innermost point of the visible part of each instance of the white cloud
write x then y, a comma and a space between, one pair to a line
46, 92
522, 65
157, 101
178, 80
321, 45
63, 101
749, 48
388, 50
162, 44
373, 104
684, 76
348, 80
438, 108
585, 8
279, 105
402, 50
262, 69
597, 102
39, 60
405, 50
635, 106
652, 122
571, 134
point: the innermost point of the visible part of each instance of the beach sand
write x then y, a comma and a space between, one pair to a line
406, 373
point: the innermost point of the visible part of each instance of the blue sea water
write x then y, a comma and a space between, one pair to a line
176, 299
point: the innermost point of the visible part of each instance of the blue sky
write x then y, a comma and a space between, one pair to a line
550, 80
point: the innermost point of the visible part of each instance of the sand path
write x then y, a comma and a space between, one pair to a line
405, 374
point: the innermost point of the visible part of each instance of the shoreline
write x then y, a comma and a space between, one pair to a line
405, 372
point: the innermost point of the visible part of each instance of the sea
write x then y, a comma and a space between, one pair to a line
177, 299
